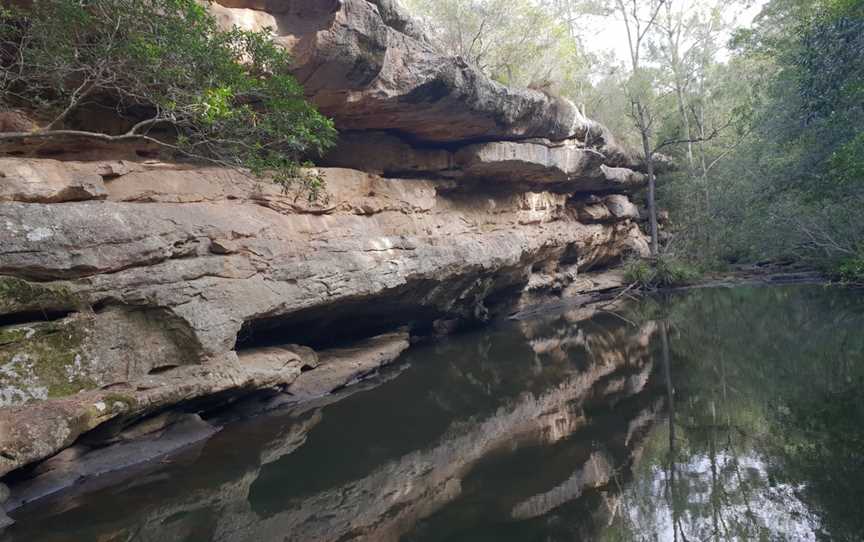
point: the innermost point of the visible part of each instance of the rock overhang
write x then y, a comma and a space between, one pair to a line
452, 191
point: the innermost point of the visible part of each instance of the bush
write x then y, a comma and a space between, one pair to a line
166, 67
663, 272
638, 272
851, 269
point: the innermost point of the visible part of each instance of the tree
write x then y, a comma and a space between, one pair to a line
785, 181
176, 79
639, 18
516, 42
687, 48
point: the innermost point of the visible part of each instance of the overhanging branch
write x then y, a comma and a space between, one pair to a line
669, 142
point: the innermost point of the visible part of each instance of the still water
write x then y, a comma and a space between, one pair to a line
716, 414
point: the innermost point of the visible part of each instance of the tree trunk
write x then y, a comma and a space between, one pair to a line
652, 189
679, 92
705, 182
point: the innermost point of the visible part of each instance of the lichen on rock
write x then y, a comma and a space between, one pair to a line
18, 295
130, 288
44, 360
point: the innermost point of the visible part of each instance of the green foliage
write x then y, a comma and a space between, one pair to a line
846, 164
516, 42
789, 183
171, 72
662, 272
638, 271
852, 269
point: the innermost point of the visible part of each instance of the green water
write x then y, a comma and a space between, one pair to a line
717, 414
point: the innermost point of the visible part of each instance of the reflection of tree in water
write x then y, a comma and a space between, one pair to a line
522, 423
546, 430
764, 435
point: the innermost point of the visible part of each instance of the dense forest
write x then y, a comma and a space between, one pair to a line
762, 118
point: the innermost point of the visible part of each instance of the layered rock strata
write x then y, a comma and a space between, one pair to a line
552, 405
130, 286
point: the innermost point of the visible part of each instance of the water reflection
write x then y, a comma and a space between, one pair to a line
713, 415
763, 439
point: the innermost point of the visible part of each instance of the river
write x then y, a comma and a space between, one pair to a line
712, 414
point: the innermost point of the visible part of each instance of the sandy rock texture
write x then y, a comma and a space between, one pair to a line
130, 285
155, 284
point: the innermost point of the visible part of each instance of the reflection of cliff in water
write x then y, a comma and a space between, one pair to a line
512, 423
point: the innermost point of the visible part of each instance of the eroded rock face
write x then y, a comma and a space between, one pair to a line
157, 278
539, 164
128, 286
368, 65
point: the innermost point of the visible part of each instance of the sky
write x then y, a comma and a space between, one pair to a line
611, 35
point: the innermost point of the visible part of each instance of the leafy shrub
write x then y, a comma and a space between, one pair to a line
168, 69
672, 272
663, 272
639, 272
851, 269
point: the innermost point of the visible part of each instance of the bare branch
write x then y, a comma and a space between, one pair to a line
669, 142
77, 95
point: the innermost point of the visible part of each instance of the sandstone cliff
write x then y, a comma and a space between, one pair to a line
131, 285
554, 404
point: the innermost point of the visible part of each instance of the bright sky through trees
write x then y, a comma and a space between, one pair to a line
601, 35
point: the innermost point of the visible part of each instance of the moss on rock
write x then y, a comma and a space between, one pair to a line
44, 360
17, 295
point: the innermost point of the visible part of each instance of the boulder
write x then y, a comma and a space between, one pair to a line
370, 67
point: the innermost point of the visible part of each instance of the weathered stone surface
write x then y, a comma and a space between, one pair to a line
292, 355
48, 181
79, 464
609, 208
16, 121
38, 430
568, 167
43, 360
344, 365
372, 236
531, 162
386, 154
572, 166
369, 66
621, 207
129, 286
179, 261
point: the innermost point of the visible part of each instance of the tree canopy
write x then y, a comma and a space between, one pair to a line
167, 70
765, 121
